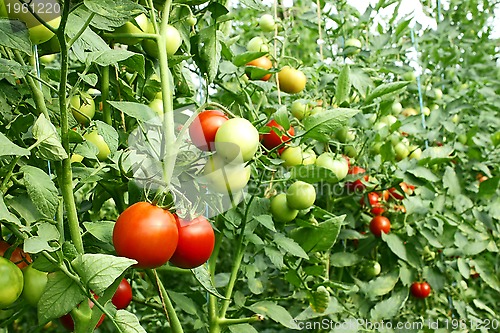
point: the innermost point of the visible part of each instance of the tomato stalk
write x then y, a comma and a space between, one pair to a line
106, 108
66, 176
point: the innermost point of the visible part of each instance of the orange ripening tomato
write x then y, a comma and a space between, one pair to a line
262, 62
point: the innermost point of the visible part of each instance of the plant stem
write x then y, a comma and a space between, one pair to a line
175, 323
3, 187
106, 108
66, 176
248, 320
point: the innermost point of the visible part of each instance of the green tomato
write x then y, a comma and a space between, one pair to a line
225, 178
266, 23
281, 211
401, 151
416, 153
344, 135
396, 108
48, 58
173, 38
300, 195
308, 157
376, 147
157, 106
34, 284
11, 282
389, 120
83, 108
350, 151
316, 110
237, 138
438, 93
76, 158
191, 20
353, 46
426, 111
139, 26
292, 156
369, 269
257, 44
338, 166
410, 76
495, 138
462, 138
299, 109
455, 119
97, 140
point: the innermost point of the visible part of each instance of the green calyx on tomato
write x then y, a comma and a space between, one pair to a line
300, 195
196, 243
97, 140
11, 282
203, 129
147, 234
291, 80
34, 284
280, 209
83, 108
237, 140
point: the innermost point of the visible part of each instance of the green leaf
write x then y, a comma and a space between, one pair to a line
489, 187
41, 190
385, 89
360, 81
109, 135
209, 49
6, 215
128, 322
111, 57
245, 58
275, 256
47, 234
10, 69
313, 174
321, 125
398, 248
290, 246
114, 8
379, 286
274, 311
242, 328
185, 303
487, 272
50, 146
8, 148
424, 173
343, 86
451, 182
344, 259
390, 307
321, 237
266, 221
61, 295
203, 277
14, 35
138, 111
402, 27
319, 299
99, 271
102, 230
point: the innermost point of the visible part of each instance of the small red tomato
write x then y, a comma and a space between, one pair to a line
204, 127
420, 289
123, 295
380, 224
385, 195
378, 209
357, 184
18, 256
272, 140
196, 242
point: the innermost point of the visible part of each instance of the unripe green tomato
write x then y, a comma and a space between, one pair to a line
377, 146
350, 151
299, 109
410, 76
309, 157
34, 284
438, 93
369, 269
223, 177
378, 126
353, 43
455, 119
338, 166
401, 151
416, 153
266, 23
139, 26
426, 111
237, 136
191, 20
462, 138
173, 41
11, 282
281, 211
495, 138
409, 112
292, 156
157, 106
344, 135
97, 140
48, 58
396, 108
257, 44
83, 108
300, 195
316, 110
389, 120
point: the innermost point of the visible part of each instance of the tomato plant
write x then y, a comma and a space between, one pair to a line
300, 195
272, 139
11, 282
237, 136
291, 80
280, 209
196, 243
147, 234
204, 128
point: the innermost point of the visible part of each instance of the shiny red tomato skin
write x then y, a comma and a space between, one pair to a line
146, 233
18, 256
420, 289
272, 140
380, 224
196, 243
377, 210
123, 295
356, 185
204, 127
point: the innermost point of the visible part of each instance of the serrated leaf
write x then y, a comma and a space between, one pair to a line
266, 221
451, 182
99, 271
47, 234
203, 277
275, 256
402, 26
343, 85
274, 311
344, 259
379, 286
114, 9
14, 34
321, 125
385, 89
183, 302
424, 173
290, 246
110, 57
398, 248
6, 215
321, 237
489, 187
389, 307
9, 148
209, 48
50, 146
137, 110
41, 190
242, 328
128, 322
313, 174
487, 273
103, 230
109, 134
61, 295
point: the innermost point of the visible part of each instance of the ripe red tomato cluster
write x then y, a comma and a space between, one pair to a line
375, 203
357, 185
272, 139
420, 289
152, 236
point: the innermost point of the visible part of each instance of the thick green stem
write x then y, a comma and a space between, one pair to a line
66, 176
236, 321
106, 108
175, 323
234, 275
5, 181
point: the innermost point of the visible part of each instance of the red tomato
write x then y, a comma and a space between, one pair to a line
196, 243
264, 63
272, 140
204, 127
385, 195
69, 324
396, 193
146, 233
420, 289
123, 295
373, 199
377, 209
380, 224
357, 184
18, 256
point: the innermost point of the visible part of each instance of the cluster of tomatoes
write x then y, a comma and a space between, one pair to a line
153, 236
